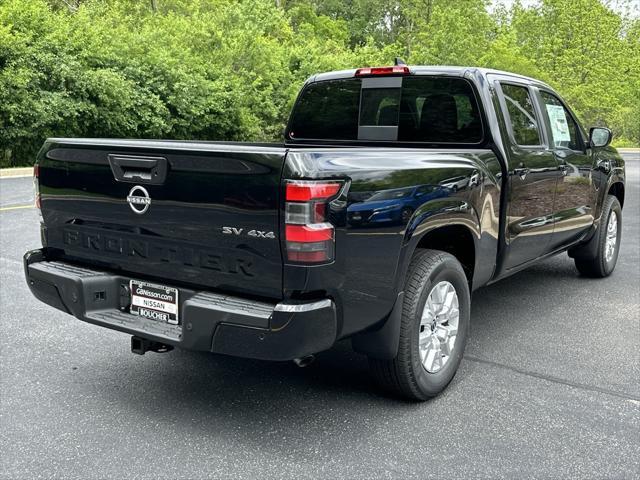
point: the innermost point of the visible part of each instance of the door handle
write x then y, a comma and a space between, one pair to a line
521, 172
563, 168
138, 169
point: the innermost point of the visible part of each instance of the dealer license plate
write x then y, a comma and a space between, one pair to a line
153, 301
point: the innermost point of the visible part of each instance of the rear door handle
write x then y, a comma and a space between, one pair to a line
138, 169
521, 172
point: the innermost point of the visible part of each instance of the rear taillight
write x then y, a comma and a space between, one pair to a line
309, 236
36, 185
379, 71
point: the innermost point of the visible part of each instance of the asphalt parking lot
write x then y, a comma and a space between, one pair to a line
549, 387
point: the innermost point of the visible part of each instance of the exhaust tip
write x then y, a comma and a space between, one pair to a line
304, 361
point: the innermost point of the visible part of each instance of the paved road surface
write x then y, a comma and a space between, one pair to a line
549, 387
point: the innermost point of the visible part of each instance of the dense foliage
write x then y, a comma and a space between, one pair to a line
230, 69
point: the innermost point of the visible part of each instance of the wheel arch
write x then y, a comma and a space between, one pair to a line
617, 189
451, 225
457, 233
454, 234
456, 239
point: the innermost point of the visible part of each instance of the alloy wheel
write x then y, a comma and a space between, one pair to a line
438, 327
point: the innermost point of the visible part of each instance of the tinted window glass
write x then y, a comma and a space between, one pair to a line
425, 109
564, 130
379, 107
439, 110
327, 110
521, 114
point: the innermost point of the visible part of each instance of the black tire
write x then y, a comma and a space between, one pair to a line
591, 260
405, 375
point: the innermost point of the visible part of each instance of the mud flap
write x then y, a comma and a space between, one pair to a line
383, 342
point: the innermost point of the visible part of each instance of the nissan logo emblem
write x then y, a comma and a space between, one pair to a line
139, 199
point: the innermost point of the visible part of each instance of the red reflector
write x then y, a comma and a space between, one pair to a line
307, 233
36, 170
305, 191
310, 257
394, 70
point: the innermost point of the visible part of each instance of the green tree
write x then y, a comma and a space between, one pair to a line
231, 69
582, 48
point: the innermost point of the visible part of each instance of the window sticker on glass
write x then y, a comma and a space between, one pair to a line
559, 124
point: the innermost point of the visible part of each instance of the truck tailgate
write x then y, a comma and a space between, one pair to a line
193, 212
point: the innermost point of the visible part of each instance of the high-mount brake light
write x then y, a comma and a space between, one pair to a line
309, 236
380, 71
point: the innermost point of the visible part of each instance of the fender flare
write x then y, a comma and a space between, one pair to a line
383, 340
589, 247
425, 221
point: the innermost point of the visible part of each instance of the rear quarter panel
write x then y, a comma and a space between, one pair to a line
372, 254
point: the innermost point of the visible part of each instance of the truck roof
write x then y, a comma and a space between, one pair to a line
458, 71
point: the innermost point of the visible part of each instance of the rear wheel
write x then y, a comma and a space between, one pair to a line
433, 331
600, 260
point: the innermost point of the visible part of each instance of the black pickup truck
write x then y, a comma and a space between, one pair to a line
396, 193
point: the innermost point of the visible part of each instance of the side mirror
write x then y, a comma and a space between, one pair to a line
600, 137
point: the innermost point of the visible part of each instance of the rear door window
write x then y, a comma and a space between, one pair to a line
521, 113
407, 109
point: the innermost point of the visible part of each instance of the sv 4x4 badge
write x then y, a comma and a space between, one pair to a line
250, 233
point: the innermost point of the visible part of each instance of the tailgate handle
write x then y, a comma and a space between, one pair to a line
136, 169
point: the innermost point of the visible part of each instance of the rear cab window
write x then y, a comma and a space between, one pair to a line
425, 109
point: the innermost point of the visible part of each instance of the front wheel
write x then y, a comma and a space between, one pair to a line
600, 260
433, 330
